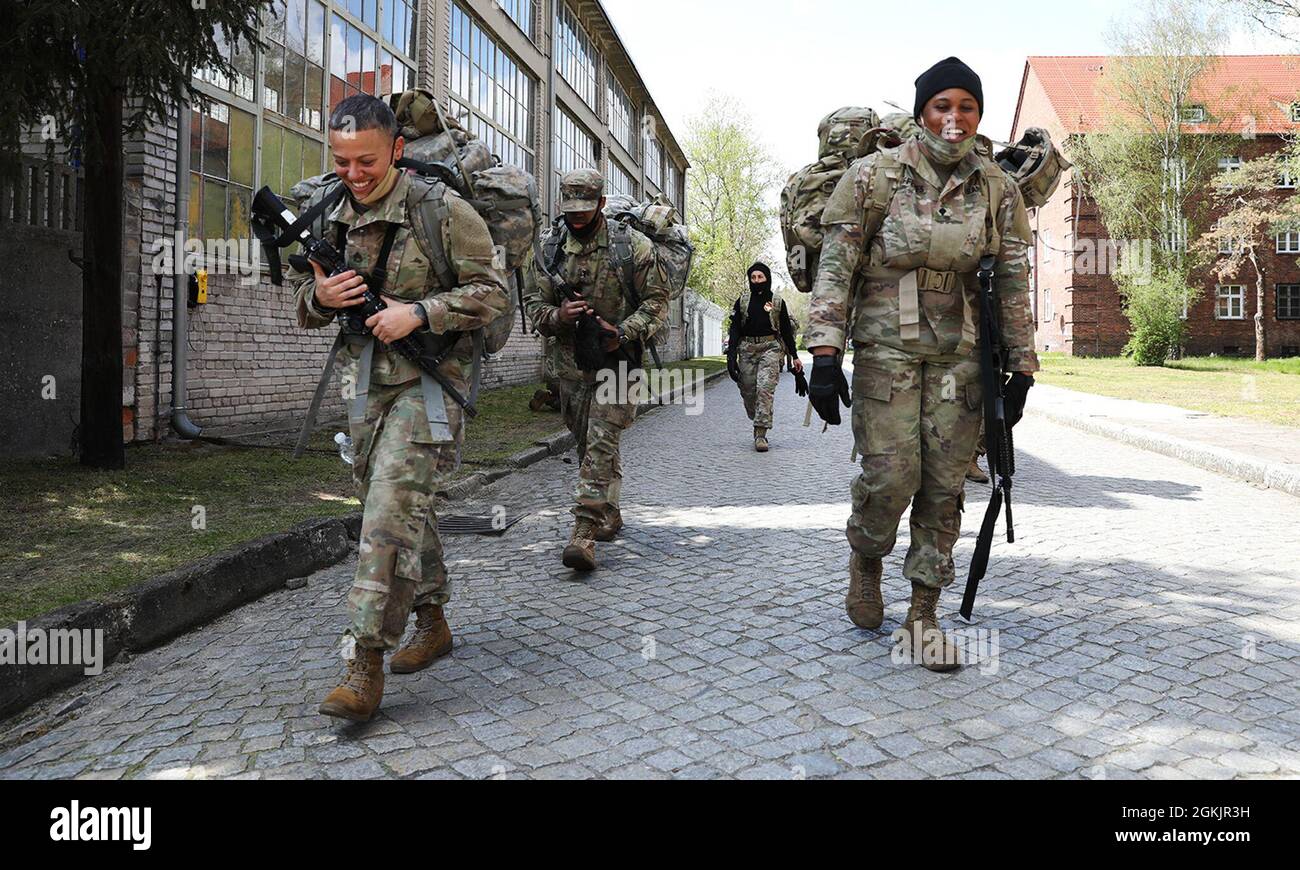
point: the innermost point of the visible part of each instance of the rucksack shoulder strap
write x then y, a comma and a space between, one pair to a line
886, 177
429, 213
624, 256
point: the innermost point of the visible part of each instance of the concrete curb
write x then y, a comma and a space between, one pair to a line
1218, 460
164, 607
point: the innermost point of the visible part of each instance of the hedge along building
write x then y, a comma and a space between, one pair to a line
547, 84
1077, 305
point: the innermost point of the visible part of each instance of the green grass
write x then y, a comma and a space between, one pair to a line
75, 534
1226, 386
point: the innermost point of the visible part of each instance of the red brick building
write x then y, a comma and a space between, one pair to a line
1076, 304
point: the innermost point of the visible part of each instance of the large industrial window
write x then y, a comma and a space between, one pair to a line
575, 55
620, 181
521, 13
221, 171
654, 159
574, 149
622, 119
492, 96
365, 45
670, 181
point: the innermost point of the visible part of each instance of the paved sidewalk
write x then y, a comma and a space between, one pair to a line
1258, 453
1147, 626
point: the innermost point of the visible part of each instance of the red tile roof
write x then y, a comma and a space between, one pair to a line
1269, 82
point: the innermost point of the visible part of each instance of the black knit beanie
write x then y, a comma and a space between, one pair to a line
950, 73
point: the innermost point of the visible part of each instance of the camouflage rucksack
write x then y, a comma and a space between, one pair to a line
844, 136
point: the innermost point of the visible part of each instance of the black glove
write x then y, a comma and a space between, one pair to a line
828, 384
800, 384
733, 367
1015, 394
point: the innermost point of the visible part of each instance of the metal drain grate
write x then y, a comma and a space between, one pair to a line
490, 525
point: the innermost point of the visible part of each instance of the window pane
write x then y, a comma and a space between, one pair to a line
271, 148
354, 57
355, 7
312, 102
216, 141
238, 203
369, 14
385, 72
214, 210
399, 24
387, 30
244, 71
315, 32
412, 35
338, 48
311, 156
241, 147
275, 20
196, 204
196, 139
292, 159
368, 77
337, 92
273, 88
293, 86
296, 26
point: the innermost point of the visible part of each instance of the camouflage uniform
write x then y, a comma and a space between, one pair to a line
917, 395
588, 269
399, 457
760, 360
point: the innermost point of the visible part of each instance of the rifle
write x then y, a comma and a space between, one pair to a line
997, 431
426, 350
589, 338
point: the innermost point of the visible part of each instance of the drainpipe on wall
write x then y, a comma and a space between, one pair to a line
181, 422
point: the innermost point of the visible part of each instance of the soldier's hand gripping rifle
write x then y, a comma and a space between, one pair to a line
426, 350
588, 336
1004, 402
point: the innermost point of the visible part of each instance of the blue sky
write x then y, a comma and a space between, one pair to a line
790, 63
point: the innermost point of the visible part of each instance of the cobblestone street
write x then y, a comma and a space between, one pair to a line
1146, 624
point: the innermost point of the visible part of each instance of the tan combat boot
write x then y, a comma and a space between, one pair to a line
865, 606
930, 647
975, 474
580, 555
760, 440
431, 641
362, 689
608, 530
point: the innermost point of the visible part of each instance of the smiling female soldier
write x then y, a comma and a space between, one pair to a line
906, 228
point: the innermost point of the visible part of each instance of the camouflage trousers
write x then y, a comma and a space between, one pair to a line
759, 360
397, 470
597, 426
916, 420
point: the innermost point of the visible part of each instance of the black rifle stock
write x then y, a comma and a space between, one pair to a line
426, 350
997, 432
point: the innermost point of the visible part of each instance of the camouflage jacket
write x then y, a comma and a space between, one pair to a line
478, 298
590, 270
934, 231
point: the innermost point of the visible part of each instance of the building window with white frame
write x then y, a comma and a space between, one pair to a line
622, 117
1287, 180
654, 160
575, 55
1295, 113
1231, 302
620, 181
1227, 164
1288, 243
492, 95
521, 13
575, 148
1193, 114
1288, 301
670, 180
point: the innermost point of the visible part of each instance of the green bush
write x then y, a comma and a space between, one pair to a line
1154, 310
